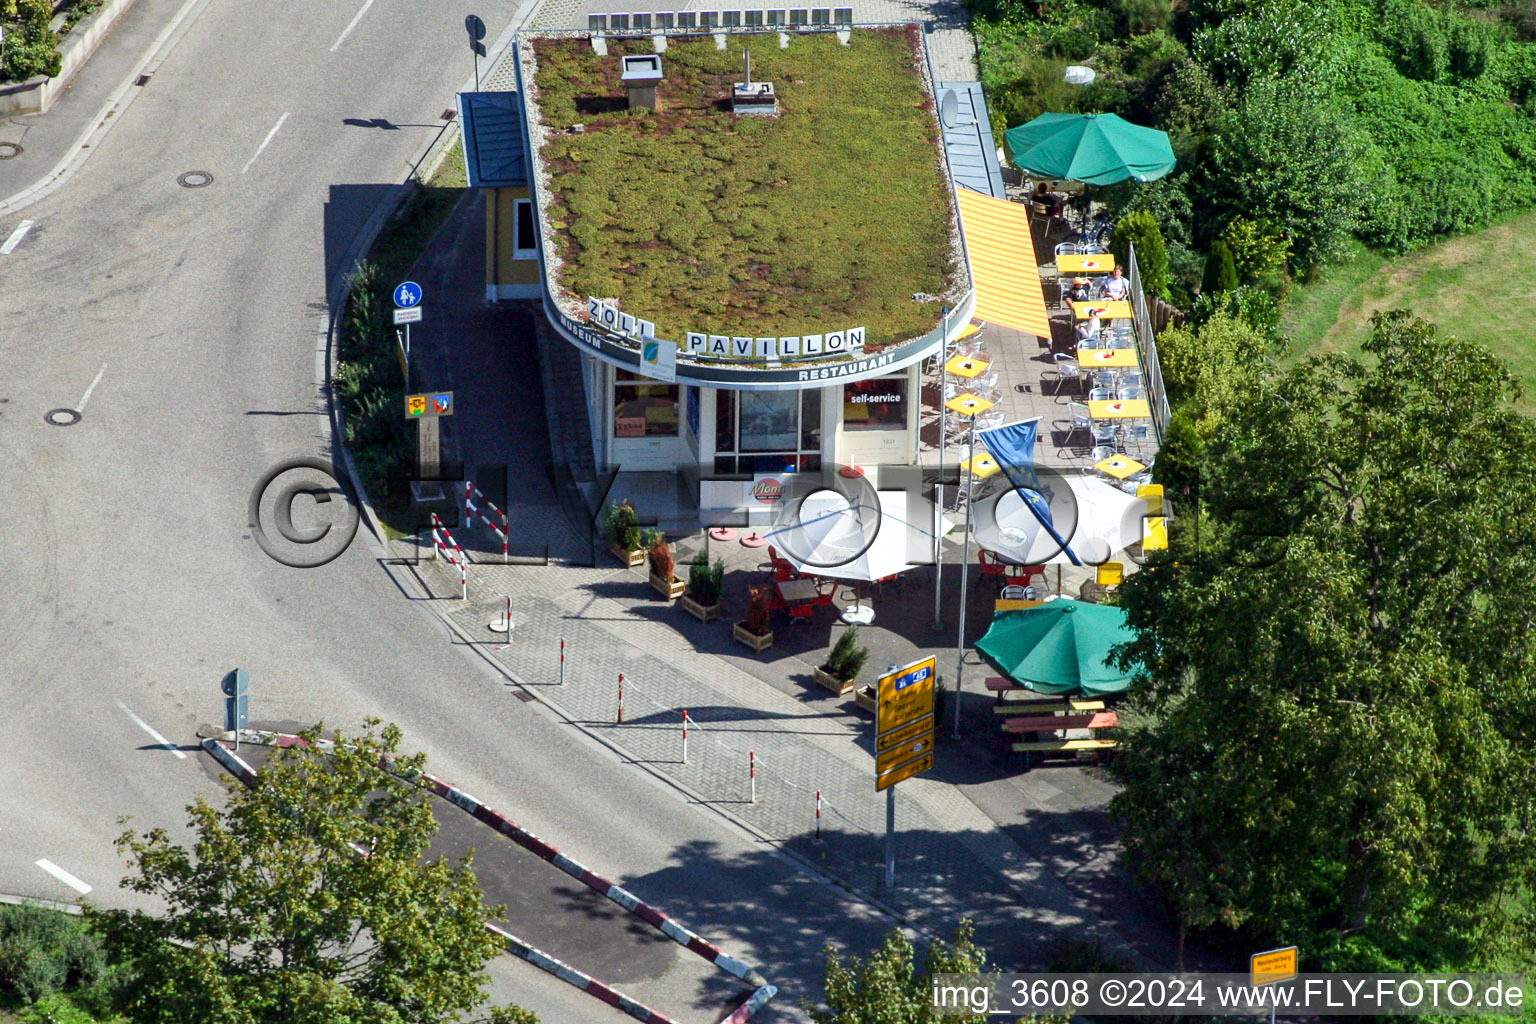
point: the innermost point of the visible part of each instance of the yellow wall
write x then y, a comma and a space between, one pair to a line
502, 269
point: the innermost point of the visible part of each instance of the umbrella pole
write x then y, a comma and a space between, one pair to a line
965, 576
938, 487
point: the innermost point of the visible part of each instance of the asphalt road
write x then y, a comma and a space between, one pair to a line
183, 323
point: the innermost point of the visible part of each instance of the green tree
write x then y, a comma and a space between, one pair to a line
1298, 162
275, 916
1220, 270
1340, 693
1139, 228
889, 987
30, 46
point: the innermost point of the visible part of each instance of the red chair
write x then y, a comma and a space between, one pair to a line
1022, 575
990, 565
782, 570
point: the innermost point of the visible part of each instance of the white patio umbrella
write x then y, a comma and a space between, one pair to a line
845, 539
1095, 519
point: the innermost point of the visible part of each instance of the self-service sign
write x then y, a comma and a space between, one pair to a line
904, 724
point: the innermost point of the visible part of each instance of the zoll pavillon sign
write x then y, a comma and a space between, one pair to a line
788, 348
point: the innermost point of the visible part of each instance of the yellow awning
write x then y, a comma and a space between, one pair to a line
1002, 255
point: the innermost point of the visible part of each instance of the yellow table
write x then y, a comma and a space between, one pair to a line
969, 329
1013, 604
1098, 263
1119, 466
1138, 408
1109, 358
1104, 309
981, 466
971, 405
967, 366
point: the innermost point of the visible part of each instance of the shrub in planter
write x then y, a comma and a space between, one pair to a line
623, 532
754, 631
662, 562
844, 662
702, 598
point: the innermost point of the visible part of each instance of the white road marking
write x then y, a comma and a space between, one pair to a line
64, 876
16, 237
87, 396
167, 744
264, 143
351, 25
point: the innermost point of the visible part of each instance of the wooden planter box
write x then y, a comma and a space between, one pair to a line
628, 559
702, 612
671, 590
865, 698
751, 639
831, 682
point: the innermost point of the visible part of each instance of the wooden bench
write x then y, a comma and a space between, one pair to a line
1045, 723
1043, 747
1054, 706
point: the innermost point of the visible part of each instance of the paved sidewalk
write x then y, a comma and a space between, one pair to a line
48, 138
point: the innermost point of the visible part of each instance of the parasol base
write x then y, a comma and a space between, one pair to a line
858, 614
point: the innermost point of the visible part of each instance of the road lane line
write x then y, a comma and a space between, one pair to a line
167, 744
351, 25
16, 237
64, 876
264, 143
87, 396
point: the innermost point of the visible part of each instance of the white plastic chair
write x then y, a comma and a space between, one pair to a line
1101, 453
1080, 418
1100, 395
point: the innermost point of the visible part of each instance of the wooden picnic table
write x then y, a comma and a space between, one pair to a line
1048, 723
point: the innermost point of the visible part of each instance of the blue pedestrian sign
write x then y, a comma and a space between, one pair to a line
407, 294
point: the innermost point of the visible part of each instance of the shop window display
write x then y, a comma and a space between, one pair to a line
643, 407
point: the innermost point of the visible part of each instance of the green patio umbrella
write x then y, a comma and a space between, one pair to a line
1059, 647
1099, 149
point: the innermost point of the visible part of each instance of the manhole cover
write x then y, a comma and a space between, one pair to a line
9, 150
194, 179
61, 417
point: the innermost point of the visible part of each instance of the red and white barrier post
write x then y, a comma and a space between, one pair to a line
562, 661
470, 511
685, 737
752, 772
457, 557
509, 620
621, 698
818, 815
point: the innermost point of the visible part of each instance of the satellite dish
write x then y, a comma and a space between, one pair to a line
949, 108
1077, 74
949, 111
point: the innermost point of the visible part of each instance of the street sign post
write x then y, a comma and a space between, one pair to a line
1272, 967
407, 296
426, 409
237, 703
476, 29
904, 724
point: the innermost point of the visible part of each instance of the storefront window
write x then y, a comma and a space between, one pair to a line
769, 421
643, 407
810, 420
879, 404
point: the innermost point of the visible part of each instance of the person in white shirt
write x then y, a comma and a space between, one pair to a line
1088, 331
1116, 287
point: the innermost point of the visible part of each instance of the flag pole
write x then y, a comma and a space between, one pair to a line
938, 486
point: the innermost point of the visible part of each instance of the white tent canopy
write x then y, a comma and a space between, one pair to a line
849, 540
1095, 519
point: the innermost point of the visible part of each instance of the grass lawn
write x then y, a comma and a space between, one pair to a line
1474, 286
833, 214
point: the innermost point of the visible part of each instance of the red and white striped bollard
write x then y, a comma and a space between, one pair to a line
685, 737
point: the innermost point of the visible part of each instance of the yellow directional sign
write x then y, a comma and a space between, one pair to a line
1270, 967
899, 755
903, 772
904, 734
905, 695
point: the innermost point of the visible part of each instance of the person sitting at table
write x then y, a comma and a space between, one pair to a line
1116, 287
1079, 291
1088, 331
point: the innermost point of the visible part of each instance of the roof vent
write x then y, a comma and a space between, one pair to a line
640, 74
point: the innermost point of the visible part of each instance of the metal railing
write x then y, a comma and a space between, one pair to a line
1146, 349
